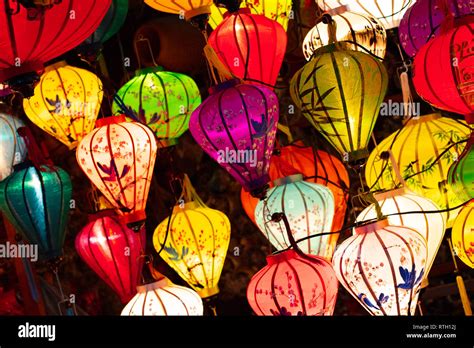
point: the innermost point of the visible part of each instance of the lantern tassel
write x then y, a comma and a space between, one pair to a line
466, 304
214, 62
407, 97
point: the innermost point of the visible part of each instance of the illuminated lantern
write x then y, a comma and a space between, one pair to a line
197, 242
416, 148
309, 208
188, 8
443, 70
65, 103
236, 125
160, 99
382, 267
119, 157
423, 21
461, 173
292, 285
356, 31
251, 46
462, 234
113, 252
36, 202
340, 93
12, 146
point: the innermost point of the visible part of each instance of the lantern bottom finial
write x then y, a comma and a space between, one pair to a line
208, 292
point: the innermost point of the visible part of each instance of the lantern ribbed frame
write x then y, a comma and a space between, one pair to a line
462, 234
188, 8
111, 24
461, 172
13, 148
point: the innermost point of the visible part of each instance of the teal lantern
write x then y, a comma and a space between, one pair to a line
12, 147
111, 24
160, 99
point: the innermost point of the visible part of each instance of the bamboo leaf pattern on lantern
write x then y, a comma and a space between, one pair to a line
382, 299
262, 127
111, 171
173, 253
409, 278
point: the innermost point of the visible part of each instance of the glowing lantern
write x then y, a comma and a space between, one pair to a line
382, 266
291, 284
119, 157
463, 234
236, 125
66, 103
416, 148
461, 173
188, 8
160, 99
251, 46
197, 243
113, 252
12, 146
340, 93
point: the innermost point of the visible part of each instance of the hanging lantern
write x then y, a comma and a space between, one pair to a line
236, 125
195, 242
12, 146
65, 103
382, 266
340, 93
442, 70
160, 99
119, 158
186, 8
113, 252
416, 148
293, 285
250, 46
461, 173
463, 234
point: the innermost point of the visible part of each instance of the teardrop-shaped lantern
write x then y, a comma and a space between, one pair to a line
461, 172
236, 126
119, 158
65, 103
160, 99
292, 285
462, 234
186, 8
382, 267
12, 147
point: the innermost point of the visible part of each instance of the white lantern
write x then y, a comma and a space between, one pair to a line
382, 267
12, 147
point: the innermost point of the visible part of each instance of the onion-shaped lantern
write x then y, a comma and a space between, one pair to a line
462, 234
65, 103
461, 173
382, 267
186, 8
12, 147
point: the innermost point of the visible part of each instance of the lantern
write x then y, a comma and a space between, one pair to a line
250, 46
423, 20
442, 70
194, 243
188, 8
340, 93
291, 284
12, 146
382, 266
461, 173
65, 103
160, 99
119, 157
164, 298
356, 31
36, 202
463, 234
236, 125
112, 251
424, 149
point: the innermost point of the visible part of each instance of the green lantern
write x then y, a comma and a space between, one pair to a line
111, 24
461, 173
160, 99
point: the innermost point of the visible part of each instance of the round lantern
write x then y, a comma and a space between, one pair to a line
113, 252
236, 125
293, 285
186, 8
340, 92
65, 103
36, 202
195, 242
12, 147
309, 208
119, 158
251, 46
164, 298
382, 267
442, 70
160, 99
462, 235
461, 173
416, 148
355, 31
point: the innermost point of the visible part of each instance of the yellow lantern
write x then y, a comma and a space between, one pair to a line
65, 103
187, 8
462, 234
194, 243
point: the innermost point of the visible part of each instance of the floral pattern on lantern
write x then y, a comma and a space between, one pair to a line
13, 149
462, 234
188, 8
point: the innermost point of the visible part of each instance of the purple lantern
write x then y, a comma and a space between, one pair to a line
236, 125
423, 20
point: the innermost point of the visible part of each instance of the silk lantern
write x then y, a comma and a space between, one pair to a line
113, 252
382, 267
250, 46
12, 147
461, 172
186, 8
119, 158
293, 285
462, 234
65, 103
160, 99
236, 126
423, 150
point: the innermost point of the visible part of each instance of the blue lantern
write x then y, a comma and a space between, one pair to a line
12, 147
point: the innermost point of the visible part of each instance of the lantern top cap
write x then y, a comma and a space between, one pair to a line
109, 120
110, 213
161, 283
223, 86
188, 205
371, 226
149, 70
288, 180
391, 193
424, 118
54, 66
243, 10
284, 256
